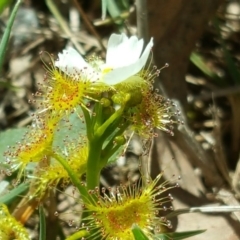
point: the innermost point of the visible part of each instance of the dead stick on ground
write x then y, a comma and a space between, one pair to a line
89, 24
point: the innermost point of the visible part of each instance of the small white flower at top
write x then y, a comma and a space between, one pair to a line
73, 64
124, 59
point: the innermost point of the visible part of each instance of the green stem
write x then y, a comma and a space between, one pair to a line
88, 122
111, 148
104, 161
100, 131
78, 235
97, 119
112, 128
93, 166
73, 176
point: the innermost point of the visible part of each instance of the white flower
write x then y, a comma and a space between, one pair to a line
123, 57
73, 64
123, 60
70, 61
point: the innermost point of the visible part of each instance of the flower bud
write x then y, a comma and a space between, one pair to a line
120, 140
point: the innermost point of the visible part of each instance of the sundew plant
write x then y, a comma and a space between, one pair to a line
88, 109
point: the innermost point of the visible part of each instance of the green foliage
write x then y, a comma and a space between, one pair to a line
178, 235
77, 107
4, 4
14, 193
104, 9
115, 9
138, 233
42, 230
116, 154
9, 138
200, 62
74, 130
230, 63
6, 35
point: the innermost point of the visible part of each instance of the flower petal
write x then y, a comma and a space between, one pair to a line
120, 74
135, 50
70, 61
115, 44
122, 51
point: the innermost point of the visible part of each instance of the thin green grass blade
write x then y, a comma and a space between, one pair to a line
125, 4
4, 4
178, 235
205, 209
113, 9
16, 192
42, 230
104, 9
231, 65
199, 62
6, 35
9, 86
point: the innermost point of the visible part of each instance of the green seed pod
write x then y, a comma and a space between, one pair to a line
106, 102
131, 98
120, 140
